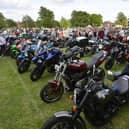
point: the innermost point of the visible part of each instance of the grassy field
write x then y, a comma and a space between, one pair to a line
22, 108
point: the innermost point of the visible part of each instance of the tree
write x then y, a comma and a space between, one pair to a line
2, 21
80, 18
38, 23
46, 17
96, 19
27, 21
121, 19
10, 23
56, 24
64, 22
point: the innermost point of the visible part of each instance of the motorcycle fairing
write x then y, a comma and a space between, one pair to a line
21, 56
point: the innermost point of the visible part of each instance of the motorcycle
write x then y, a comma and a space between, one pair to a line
119, 53
24, 59
71, 71
45, 59
15, 50
80, 41
97, 101
26, 51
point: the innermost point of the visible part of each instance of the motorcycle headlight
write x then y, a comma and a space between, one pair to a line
39, 61
100, 46
57, 68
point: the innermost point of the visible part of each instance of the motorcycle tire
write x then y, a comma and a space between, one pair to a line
18, 61
50, 93
62, 122
37, 72
109, 64
23, 66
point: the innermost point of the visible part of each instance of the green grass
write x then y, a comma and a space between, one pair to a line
22, 108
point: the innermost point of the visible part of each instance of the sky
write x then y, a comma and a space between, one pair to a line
16, 9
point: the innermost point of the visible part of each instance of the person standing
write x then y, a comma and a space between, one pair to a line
2, 46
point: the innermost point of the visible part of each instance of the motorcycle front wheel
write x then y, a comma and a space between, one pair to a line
50, 93
37, 72
23, 66
62, 122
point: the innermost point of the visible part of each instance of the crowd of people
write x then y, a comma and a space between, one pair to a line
62, 33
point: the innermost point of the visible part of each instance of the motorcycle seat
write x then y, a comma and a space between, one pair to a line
121, 85
68, 55
95, 59
75, 49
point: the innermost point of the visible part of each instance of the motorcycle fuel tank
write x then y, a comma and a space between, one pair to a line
77, 65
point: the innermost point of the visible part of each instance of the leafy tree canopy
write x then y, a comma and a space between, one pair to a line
121, 19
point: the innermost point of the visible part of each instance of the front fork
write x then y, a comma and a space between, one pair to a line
60, 75
76, 113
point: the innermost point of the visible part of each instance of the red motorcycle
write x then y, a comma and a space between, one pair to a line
71, 70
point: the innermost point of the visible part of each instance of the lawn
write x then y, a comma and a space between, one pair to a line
22, 108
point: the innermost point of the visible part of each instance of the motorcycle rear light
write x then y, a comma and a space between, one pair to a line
74, 108
71, 97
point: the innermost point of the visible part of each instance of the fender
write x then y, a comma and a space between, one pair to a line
55, 82
69, 115
63, 113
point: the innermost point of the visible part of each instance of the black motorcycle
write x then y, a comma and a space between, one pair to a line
97, 101
118, 53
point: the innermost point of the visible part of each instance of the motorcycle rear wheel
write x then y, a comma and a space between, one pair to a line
109, 64
62, 122
50, 93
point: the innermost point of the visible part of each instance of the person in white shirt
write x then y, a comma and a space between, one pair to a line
2, 46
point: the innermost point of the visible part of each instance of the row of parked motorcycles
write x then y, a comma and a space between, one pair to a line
91, 95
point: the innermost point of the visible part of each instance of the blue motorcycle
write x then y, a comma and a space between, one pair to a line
45, 59
24, 58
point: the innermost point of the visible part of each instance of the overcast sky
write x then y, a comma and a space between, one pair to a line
109, 9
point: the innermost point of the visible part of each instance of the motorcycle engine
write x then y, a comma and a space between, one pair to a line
103, 96
77, 76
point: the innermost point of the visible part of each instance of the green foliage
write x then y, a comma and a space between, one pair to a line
80, 18
27, 21
96, 19
46, 17
56, 24
121, 19
10, 23
64, 22
2, 21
